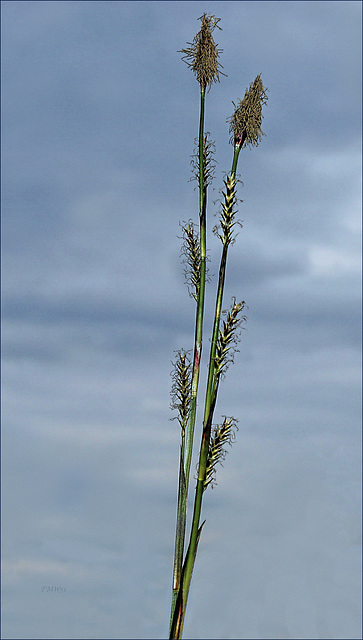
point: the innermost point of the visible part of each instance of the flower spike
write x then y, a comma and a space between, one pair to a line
202, 55
222, 435
245, 123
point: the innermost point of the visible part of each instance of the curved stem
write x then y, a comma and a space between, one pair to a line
187, 445
211, 397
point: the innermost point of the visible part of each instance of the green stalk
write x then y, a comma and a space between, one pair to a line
211, 397
201, 295
212, 386
187, 441
180, 529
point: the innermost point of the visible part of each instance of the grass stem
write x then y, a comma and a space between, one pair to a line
187, 440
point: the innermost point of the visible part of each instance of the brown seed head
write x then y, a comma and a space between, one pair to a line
245, 123
202, 55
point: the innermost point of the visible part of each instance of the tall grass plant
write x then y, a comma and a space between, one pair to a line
202, 57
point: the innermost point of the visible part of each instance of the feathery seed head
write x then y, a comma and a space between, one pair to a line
222, 435
245, 123
181, 388
208, 161
227, 216
191, 251
202, 55
228, 338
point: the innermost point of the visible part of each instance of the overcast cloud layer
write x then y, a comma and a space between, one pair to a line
99, 120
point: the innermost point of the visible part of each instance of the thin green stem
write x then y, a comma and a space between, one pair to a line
187, 444
211, 397
237, 149
180, 527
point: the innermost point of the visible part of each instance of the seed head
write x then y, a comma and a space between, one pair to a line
228, 338
245, 123
191, 253
209, 164
223, 434
202, 54
181, 388
224, 230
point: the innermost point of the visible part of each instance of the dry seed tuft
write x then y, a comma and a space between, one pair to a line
202, 55
245, 123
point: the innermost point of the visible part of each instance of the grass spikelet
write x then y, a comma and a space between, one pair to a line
181, 387
222, 435
208, 162
228, 212
245, 123
202, 54
191, 252
228, 338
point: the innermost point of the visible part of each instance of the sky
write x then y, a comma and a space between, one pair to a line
99, 118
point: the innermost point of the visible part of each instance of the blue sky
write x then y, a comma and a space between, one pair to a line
99, 116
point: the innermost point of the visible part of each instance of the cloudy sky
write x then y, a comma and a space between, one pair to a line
99, 120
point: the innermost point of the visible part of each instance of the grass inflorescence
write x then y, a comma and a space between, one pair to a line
228, 338
203, 53
246, 121
191, 258
181, 387
221, 435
